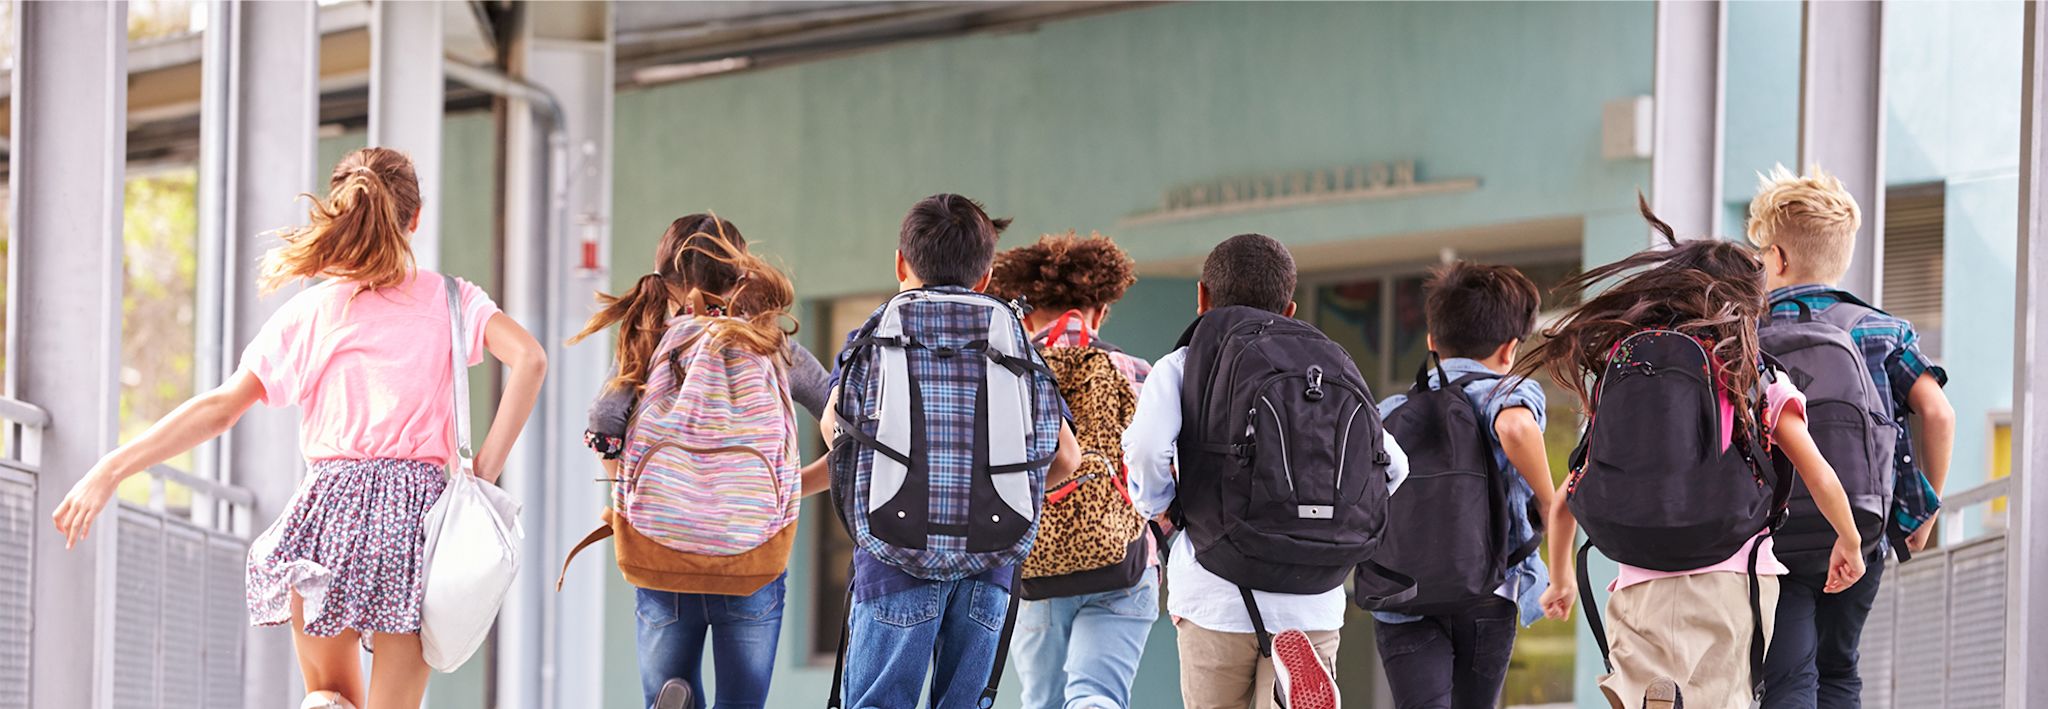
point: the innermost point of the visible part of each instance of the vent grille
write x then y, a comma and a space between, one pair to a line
138, 609
17, 535
1913, 244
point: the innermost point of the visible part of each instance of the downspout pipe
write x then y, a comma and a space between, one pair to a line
551, 204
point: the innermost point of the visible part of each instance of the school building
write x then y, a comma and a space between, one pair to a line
1375, 139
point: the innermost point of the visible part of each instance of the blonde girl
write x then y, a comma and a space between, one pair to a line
355, 352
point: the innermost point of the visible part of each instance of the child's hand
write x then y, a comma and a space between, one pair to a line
1557, 600
1918, 539
74, 516
1845, 564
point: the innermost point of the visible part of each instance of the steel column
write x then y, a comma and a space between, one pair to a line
1685, 158
407, 93
1841, 119
258, 147
2026, 654
67, 162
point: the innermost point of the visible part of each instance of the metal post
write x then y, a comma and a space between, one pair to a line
406, 97
67, 160
2027, 554
1685, 159
264, 100
1841, 119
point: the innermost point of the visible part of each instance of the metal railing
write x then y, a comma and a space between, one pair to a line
1937, 631
176, 636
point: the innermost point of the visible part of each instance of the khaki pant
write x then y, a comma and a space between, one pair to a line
1693, 629
1225, 671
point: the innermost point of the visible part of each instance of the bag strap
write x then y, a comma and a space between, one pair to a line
1251, 606
1756, 619
595, 536
459, 356
834, 701
1592, 607
1403, 581
995, 672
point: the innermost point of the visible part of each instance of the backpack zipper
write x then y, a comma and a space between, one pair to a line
1344, 446
1285, 465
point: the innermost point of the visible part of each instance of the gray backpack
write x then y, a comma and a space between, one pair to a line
1849, 420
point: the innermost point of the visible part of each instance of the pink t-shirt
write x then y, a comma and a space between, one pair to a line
370, 371
1777, 396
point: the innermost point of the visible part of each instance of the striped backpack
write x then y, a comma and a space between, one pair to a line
948, 420
708, 492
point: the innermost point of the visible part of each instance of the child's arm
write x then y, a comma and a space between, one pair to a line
1845, 564
528, 365
1522, 439
1936, 428
817, 477
1066, 459
194, 422
1561, 529
1149, 441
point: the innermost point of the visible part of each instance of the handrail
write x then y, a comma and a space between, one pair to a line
23, 413
1990, 490
211, 488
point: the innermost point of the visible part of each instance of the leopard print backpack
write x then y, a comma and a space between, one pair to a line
1090, 538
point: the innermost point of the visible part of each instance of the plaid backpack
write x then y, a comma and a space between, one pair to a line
948, 420
1091, 539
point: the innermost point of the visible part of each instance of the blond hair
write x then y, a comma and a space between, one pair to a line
361, 232
1812, 217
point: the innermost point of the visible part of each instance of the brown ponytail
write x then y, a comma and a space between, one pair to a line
361, 232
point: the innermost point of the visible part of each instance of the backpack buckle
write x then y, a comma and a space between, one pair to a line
1242, 451
1315, 383
945, 352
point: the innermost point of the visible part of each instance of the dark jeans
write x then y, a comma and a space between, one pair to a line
743, 632
1449, 661
1812, 660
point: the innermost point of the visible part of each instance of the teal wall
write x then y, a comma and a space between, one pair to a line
1081, 123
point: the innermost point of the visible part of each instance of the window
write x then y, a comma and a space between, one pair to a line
835, 550
1913, 245
160, 235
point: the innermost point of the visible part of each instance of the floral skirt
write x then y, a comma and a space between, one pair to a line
350, 543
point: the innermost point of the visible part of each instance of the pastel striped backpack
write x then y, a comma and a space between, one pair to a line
708, 491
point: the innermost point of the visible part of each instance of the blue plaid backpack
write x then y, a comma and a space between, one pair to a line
948, 420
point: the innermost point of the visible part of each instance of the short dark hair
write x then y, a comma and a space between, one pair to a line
1252, 270
1474, 308
948, 240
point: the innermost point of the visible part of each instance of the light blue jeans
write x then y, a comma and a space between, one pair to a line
1082, 652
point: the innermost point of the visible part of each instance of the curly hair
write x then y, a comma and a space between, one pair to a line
1064, 272
1710, 289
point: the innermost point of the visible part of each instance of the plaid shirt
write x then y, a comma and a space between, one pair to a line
1892, 352
1075, 332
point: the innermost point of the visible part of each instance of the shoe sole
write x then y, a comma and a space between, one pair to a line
673, 696
1662, 694
1309, 685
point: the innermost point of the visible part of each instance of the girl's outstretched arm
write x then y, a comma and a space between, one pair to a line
1561, 529
1845, 563
196, 421
528, 365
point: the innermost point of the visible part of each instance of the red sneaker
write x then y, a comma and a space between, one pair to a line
1300, 679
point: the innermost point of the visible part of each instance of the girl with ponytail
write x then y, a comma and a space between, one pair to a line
356, 351
704, 277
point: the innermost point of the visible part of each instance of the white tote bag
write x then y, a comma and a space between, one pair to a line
473, 536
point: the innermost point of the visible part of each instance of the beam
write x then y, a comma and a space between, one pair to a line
262, 123
1685, 160
66, 162
406, 94
2027, 644
1841, 120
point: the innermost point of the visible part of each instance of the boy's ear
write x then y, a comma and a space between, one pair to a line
1201, 297
981, 286
902, 268
1505, 353
1101, 314
1428, 342
1290, 309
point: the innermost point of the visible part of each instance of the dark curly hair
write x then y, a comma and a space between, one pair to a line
1064, 272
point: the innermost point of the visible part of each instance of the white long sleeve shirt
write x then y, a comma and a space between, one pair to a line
1198, 596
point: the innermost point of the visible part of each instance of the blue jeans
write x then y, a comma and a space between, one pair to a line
743, 630
950, 627
1082, 652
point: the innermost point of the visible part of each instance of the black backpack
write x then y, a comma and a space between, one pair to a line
1283, 484
1650, 483
1848, 419
1450, 527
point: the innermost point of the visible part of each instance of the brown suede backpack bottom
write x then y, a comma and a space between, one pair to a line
648, 564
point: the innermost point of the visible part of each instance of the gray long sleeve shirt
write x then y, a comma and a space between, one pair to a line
808, 385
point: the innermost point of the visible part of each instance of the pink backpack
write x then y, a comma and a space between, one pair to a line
708, 492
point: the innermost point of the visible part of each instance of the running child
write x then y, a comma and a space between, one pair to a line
704, 285
342, 564
1090, 586
1673, 479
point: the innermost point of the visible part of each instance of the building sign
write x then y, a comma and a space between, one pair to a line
1296, 188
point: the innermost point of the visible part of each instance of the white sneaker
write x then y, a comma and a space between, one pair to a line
1300, 679
325, 699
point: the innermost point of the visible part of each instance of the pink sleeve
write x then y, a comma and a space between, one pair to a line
1779, 395
277, 356
477, 309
